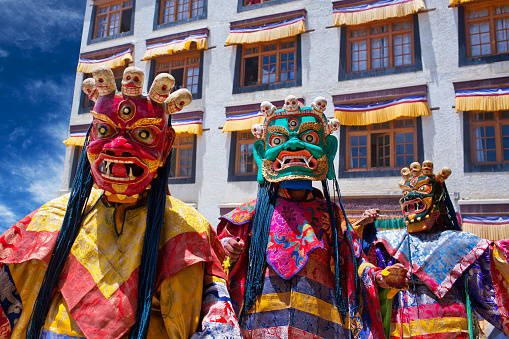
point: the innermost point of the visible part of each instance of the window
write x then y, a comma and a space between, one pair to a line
242, 164
387, 145
185, 68
380, 45
380, 48
245, 163
254, 2
269, 65
489, 137
178, 10
183, 159
113, 18
269, 62
86, 103
244, 5
487, 29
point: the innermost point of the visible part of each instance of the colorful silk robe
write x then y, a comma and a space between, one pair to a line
297, 300
434, 306
500, 273
97, 291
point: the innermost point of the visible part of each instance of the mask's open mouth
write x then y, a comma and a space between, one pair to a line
412, 206
120, 169
287, 159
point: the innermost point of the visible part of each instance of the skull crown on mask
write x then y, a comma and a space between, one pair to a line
130, 136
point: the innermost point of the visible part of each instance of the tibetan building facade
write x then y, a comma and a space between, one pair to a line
409, 80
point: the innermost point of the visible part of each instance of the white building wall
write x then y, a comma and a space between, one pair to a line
442, 132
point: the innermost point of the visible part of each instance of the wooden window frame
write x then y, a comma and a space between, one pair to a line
490, 19
176, 147
234, 164
246, 5
344, 52
240, 142
497, 122
124, 5
191, 54
278, 52
190, 11
369, 131
371, 36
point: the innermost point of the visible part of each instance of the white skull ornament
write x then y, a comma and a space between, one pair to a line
427, 168
88, 86
415, 168
291, 104
319, 104
161, 87
258, 131
132, 82
267, 109
104, 80
332, 125
178, 100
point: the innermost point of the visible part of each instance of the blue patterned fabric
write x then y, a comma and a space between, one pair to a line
45, 334
10, 301
433, 253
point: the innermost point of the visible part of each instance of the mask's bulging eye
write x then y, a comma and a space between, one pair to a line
293, 123
103, 130
126, 111
425, 189
276, 140
310, 137
145, 135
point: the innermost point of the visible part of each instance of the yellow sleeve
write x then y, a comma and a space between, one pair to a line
180, 299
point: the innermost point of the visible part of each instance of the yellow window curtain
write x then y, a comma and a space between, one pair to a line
459, 2
360, 115
173, 46
376, 10
192, 126
493, 99
117, 60
76, 139
269, 32
242, 121
492, 228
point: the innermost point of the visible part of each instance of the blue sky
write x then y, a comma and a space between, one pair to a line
39, 50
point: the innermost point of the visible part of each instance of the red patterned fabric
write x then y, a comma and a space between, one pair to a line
5, 327
501, 285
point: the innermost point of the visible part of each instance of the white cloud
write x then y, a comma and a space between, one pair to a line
3, 53
7, 215
60, 91
30, 24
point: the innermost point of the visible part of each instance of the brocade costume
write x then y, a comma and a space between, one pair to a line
297, 299
97, 290
435, 304
451, 275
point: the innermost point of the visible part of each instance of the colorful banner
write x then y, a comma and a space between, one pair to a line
488, 100
76, 139
243, 121
173, 46
192, 126
270, 32
377, 10
360, 115
487, 227
117, 60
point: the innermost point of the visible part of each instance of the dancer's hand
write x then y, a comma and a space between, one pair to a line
233, 247
395, 276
